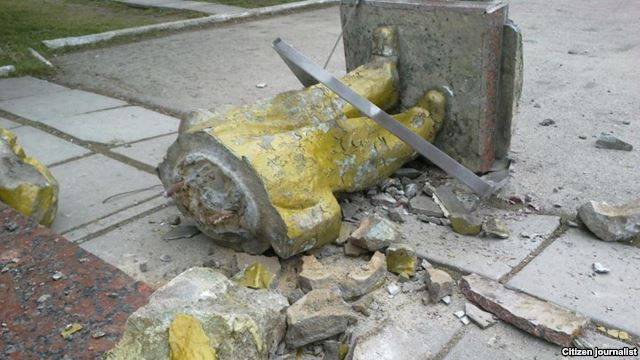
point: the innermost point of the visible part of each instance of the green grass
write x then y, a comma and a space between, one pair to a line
250, 3
25, 23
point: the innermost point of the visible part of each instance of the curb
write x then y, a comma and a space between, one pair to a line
75, 41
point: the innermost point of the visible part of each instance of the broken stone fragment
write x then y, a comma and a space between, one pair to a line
439, 284
187, 339
346, 229
407, 172
496, 228
314, 275
465, 224
480, 317
411, 190
240, 323
402, 260
242, 261
397, 214
366, 278
319, 315
424, 205
540, 318
256, 276
608, 141
353, 251
334, 350
375, 233
383, 199
612, 222
25, 184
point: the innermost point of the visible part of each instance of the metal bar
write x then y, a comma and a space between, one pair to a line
301, 63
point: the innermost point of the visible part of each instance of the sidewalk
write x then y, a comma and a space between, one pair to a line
201, 6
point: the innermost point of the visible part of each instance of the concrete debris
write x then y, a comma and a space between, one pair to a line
375, 233
314, 276
366, 278
362, 305
425, 264
181, 232
428, 189
241, 261
547, 122
393, 289
465, 224
239, 323
261, 85
397, 214
540, 318
459, 314
70, 329
608, 141
57, 276
256, 276
446, 300
383, 199
346, 228
599, 268
465, 320
615, 333
480, 317
411, 190
612, 222
319, 315
402, 260
25, 184
496, 228
354, 251
434, 220
410, 173
424, 205
390, 183
439, 284
334, 350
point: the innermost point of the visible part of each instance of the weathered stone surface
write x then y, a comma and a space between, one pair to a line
352, 250
608, 141
546, 320
465, 224
240, 322
480, 317
319, 315
424, 205
411, 190
402, 260
439, 284
25, 184
243, 260
366, 278
383, 199
187, 339
334, 350
346, 228
612, 222
375, 233
314, 275
256, 276
496, 228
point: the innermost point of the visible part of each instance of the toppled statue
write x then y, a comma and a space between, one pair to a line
25, 184
264, 175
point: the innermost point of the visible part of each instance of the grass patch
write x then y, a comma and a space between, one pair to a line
25, 23
250, 3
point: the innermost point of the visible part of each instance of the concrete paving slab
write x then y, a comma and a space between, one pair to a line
141, 242
210, 67
83, 233
116, 126
87, 182
150, 152
501, 341
58, 105
46, 148
563, 274
486, 256
8, 124
413, 331
15, 88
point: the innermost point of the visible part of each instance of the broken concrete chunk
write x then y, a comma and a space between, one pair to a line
314, 275
393, 289
242, 261
181, 232
366, 278
256, 276
599, 268
240, 323
346, 229
402, 260
540, 318
354, 251
424, 205
612, 222
25, 184
608, 141
375, 233
319, 315
187, 339
397, 214
411, 190
383, 199
439, 284
480, 317
496, 228
465, 224
334, 350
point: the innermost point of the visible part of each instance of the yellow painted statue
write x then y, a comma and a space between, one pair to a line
265, 175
